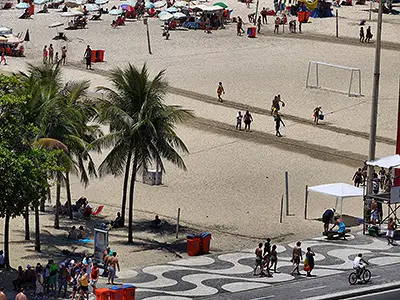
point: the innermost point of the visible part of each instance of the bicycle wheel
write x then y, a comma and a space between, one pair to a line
367, 275
353, 278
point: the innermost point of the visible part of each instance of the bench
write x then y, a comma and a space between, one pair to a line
333, 235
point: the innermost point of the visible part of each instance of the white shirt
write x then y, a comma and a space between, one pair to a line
357, 262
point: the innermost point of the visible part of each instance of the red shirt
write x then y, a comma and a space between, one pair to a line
95, 273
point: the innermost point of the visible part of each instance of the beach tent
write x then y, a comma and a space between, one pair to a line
386, 162
338, 190
323, 10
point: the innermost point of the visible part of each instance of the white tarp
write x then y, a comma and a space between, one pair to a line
386, 162
338, 190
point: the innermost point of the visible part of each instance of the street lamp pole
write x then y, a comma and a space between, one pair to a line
255, 19
145, 21
375, 96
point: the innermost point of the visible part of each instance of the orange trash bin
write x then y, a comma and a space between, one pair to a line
116, 293
129, 291
102, 294
205, 242
193, 245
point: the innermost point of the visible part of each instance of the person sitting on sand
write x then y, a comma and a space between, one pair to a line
73, 233
118, 222
81, 233
156, 223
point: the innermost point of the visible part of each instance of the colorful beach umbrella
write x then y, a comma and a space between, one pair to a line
22, 5
222, 4
127, 7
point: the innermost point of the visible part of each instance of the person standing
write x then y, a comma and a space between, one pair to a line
21, 295
45, 54
369, 35
362, 36
327, 218
277, 23
247, 120
39, 291
309, 262
239, 118
63, 55
3, 57
317, 112
94, 277
84, 284
278, 121
297, 255
382, 177
357, 178
390, 231
220, 90
264, 15
113, 265
51, 54
258, 253
2, 294
259, 24
88, 57
63, 279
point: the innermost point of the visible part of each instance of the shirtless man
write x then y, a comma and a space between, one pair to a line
21, 295
112, 265
275, 107
105, 259
297, 255
258, 253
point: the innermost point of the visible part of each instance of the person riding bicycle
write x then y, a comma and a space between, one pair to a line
359, 264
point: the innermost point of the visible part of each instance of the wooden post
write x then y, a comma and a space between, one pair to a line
337, 23
177, 222
287, 191
305, 203
370, 10
280, 218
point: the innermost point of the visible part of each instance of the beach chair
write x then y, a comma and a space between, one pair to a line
98, 211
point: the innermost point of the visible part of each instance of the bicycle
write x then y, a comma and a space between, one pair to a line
365, 276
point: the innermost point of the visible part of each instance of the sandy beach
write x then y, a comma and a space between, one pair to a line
235, 180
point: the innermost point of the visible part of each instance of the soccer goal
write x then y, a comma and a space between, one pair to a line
326, 76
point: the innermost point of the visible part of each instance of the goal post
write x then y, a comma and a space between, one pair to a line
314, 78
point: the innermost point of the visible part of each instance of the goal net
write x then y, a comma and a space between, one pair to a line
330, 77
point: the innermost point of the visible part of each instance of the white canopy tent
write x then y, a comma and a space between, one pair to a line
338, 190
386, 162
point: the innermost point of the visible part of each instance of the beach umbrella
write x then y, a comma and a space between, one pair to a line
172, 10
129, 2
92, 7
13, 40
222, 4
3, 39
27, 37
40, 2
101, 2
180, 4
71, 4
127, 7
160, 4
72, 13
115, 12
149, 5
165, 17
22, 5
179, 15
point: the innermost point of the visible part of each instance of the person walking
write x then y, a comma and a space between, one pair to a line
390, 231
113, 265
369, 35
247, 120
45, 54
274, 258
51, 54
88, 57
357, 178
264, 15
309, 262
277, 23
83, 284
3, 57
362, 36
220, 90
297, 256
259, 24
258, 253
317, 113
239, 26
63, 55
239, 118
278, 121
94, 277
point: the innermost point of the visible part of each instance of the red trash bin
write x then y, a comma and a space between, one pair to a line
251, 32
129, 291
193, 245
116, 293
301, 16
102, 294
93, 58
100, 55
205, 242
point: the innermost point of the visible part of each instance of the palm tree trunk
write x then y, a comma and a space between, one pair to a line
58, 192
69, 201
6, 241
132, 188
27, 233
37, 229
125, 187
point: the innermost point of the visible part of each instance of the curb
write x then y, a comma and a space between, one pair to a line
359, 292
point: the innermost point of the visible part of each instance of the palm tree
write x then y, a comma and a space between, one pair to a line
62, 114
142, 128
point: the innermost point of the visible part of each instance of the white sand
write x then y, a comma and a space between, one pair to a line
225, 189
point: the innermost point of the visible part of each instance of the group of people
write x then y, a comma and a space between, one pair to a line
46, 280
330, 216
49, 57
380, 180
365, 38
247, 118
77, 234
267, 259
111, 264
